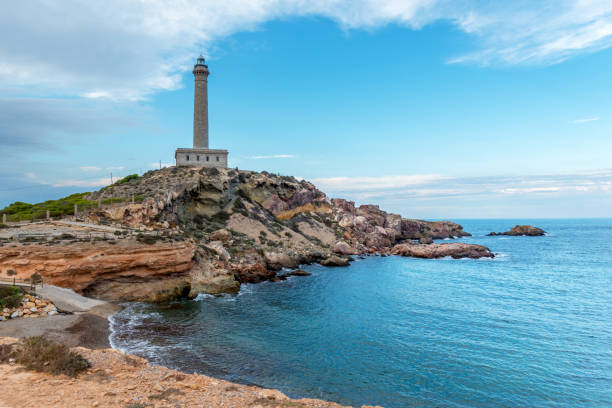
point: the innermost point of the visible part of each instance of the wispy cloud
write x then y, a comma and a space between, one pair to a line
30, 175
375, 183
115, 168
101, 182
406, 187
153, 41
527, 190
90, 168
273, 156
586, 120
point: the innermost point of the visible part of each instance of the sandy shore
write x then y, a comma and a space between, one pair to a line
84, 322
89, 329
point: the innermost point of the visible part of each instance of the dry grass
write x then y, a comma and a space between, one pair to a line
287, 215
43, 355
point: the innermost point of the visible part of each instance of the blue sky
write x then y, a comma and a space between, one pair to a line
432, 109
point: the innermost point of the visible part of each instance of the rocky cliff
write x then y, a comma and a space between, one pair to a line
209, 230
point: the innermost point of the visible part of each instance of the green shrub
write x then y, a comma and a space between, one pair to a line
146, 239
19, 211
10, 296
43, 355
128, 178
221, 217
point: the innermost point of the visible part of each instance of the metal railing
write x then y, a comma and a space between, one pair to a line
32, 283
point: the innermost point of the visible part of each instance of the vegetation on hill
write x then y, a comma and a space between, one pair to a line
128, 178
20, 211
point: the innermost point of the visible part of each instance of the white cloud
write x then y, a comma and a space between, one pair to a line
374, 183
126, 50
156, 165
90, 168
528, 190
101, 182
577, 121
30, 175
274, 156
406, 187
112, 168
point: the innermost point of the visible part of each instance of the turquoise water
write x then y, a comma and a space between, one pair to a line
531, 328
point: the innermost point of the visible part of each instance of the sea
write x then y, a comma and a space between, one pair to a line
530, 328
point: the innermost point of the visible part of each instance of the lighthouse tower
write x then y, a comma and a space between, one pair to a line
200, 155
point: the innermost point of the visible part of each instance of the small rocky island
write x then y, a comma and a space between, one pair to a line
181, 231
522, 230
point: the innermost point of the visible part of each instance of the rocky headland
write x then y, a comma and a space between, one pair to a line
210, 230
522, 230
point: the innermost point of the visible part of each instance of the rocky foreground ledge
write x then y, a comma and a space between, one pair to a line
115, 379
209, 231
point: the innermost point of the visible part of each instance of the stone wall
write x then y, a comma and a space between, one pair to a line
201, 158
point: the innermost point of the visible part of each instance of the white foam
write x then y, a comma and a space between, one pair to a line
202, 296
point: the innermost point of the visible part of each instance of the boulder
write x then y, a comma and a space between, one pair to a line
425, 240
298, 272
252, 273
335, 260
278, 261
216, 285
522, 230
343, 248
432, 251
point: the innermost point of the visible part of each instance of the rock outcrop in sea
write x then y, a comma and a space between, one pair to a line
210, 230
522, 230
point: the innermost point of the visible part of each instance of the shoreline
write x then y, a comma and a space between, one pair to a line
118, 379
128, 379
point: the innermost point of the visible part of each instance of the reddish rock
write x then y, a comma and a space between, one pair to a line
335, 261
522, 230
431, 251
343, 248
252, 273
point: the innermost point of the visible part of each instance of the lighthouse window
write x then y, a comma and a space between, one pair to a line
187, 157
217, 158
207, 158
198, 158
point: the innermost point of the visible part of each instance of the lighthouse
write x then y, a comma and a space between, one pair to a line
200, 155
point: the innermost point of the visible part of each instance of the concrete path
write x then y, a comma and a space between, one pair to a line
86, 326
67, 300
87, 225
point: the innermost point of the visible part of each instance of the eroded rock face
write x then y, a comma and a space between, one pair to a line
233, 226
126, 270
455, 250
520, 230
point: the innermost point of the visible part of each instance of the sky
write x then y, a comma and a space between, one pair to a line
432, 109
